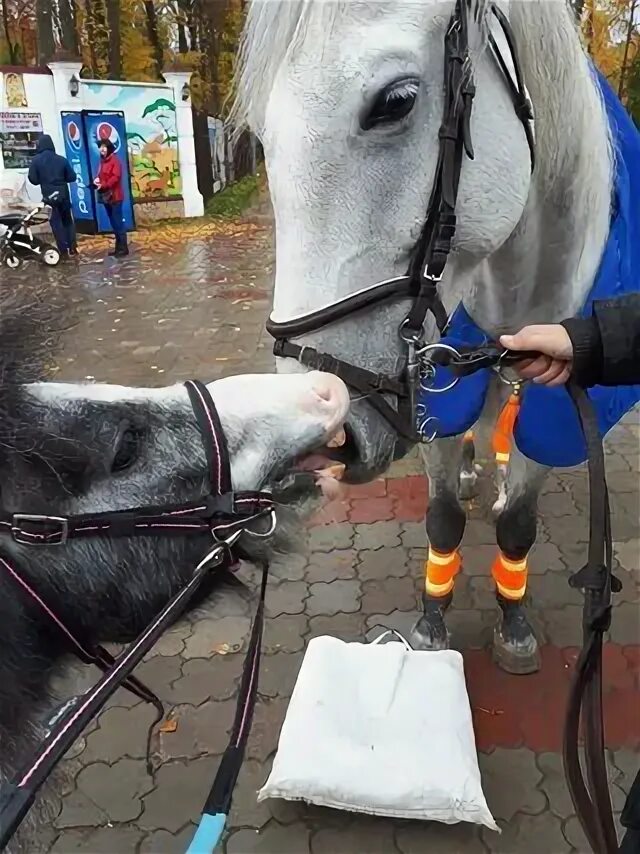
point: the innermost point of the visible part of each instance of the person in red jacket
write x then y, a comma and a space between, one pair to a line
109, 186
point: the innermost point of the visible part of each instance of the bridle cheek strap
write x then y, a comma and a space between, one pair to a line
213, 438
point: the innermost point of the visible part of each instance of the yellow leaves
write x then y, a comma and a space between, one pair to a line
605, 28
167, 236
137, 51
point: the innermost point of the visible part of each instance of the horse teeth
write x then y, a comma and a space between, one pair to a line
338, 440
335, 471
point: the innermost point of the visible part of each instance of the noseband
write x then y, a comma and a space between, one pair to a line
431, 251
222, 515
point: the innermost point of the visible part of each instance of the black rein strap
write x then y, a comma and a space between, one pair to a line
591, 798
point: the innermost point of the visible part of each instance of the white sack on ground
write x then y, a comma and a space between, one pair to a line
380, 729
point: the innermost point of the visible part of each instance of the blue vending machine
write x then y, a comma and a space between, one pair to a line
82, 201
83, 132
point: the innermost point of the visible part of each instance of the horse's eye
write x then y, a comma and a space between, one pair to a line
127, 451
392, 103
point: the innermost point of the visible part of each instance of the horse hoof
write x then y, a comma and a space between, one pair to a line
515, 648
427, 636
430, 632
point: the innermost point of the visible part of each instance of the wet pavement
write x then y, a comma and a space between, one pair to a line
191, 303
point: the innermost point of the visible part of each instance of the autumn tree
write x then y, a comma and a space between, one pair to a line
610, 31
44, 24
633, 89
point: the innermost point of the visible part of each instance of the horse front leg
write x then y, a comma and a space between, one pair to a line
515, 647
445, 526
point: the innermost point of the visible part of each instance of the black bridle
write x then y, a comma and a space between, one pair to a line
222, 514
431, 251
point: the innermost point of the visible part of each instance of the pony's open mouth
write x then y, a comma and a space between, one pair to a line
315, 473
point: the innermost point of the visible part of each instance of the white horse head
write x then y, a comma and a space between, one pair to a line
347, 98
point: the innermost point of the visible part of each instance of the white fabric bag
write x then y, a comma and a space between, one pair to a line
380, 729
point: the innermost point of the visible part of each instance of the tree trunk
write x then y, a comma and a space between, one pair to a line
216, 15
154, 38
113, 21
181, 18
90, 27
13, 49
627, 45
68, 32
44, 24
195, 16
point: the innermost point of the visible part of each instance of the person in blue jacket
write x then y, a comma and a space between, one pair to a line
53, 173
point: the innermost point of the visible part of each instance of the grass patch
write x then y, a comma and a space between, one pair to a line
234, 199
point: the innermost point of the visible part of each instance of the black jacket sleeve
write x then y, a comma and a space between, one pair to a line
606, 346
69, 173
34, 173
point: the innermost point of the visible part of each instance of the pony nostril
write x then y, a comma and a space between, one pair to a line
322, 385
329, 389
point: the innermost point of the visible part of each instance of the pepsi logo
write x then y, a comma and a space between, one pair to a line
74, 136
104, 131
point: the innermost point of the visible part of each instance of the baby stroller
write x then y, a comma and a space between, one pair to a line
19, 244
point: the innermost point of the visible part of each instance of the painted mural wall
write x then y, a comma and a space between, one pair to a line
152, 138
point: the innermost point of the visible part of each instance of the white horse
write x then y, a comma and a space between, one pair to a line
347, 99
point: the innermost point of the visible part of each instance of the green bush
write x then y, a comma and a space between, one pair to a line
234, 199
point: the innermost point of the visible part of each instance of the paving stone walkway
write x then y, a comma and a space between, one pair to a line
181, 307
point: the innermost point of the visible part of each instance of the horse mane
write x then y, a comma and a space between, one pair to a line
547, 39
559, 76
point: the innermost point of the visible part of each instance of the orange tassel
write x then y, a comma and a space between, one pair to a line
503, 432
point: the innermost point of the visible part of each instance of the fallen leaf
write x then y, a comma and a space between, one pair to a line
169, 725
221, 649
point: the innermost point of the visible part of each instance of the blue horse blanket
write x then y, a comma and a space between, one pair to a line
547, 429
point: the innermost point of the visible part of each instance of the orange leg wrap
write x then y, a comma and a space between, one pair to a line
510, 576
440, 570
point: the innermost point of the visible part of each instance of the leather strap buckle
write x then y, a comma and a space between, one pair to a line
39, 530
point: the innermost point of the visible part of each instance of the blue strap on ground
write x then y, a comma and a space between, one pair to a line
547, 429
208, 834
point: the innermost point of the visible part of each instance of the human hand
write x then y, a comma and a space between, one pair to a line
96, 182
551, 368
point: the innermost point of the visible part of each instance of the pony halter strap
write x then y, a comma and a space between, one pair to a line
220, 512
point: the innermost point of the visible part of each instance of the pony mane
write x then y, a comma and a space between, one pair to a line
32, 320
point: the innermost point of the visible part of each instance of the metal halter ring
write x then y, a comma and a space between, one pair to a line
511, 383
429, 348
263, 536
421, 427
414, 338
